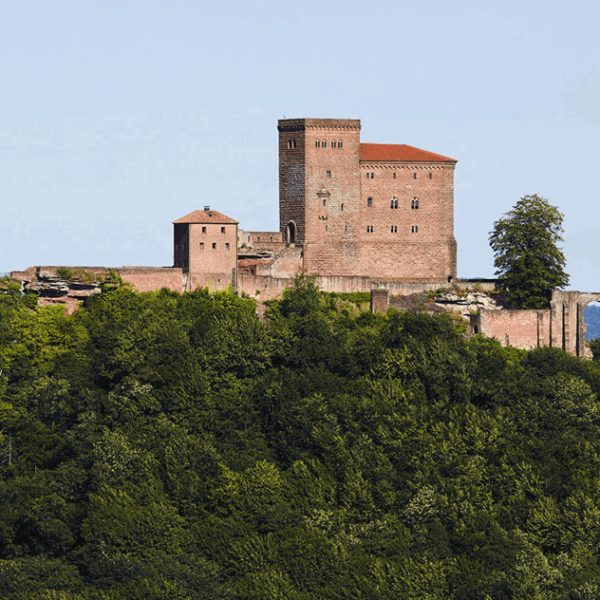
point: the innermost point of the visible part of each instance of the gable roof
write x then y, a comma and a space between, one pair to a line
207, 216
400, 153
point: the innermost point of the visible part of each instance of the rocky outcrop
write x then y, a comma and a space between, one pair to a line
52, 289
468, 303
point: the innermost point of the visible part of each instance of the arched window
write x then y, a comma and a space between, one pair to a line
369, 202
290, 232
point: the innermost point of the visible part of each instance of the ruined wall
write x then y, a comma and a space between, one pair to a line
524, 329
270, 240
380, 300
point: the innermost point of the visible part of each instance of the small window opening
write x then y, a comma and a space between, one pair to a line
475, 329
369, 228
214, 245
204, 230
226, 245
317, 144
328, 174
333, 144
340, 144
324, 143
324, 201
342, 207
222, 229
394, 175
369, 202
414, 175
429, 175
415, 229
201, 245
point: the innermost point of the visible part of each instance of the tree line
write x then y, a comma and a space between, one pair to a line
173, 446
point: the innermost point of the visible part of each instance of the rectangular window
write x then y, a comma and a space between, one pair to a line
214, 245
324, 143
201, 245
226, 245
394, 175
222, 229
333, 144
369, 202
204, 230
342, 207
328, 174
317, 144
429, 175
414, 175
340, 144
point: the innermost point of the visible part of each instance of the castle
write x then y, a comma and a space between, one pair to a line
378, 212
362, 217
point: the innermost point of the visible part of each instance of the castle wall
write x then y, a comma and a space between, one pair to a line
524, 329
148, 279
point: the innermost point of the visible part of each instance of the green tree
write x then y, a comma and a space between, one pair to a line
529, 264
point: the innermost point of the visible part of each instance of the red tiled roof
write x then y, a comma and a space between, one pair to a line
399, 153
206, 216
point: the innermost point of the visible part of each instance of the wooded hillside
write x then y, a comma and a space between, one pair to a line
165, 446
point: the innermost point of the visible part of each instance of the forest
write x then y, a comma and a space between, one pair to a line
166, 446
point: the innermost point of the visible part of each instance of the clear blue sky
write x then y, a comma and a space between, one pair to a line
119, 116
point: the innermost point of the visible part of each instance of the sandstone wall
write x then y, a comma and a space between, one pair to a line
524, 329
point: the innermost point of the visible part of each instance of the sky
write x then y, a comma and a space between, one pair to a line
119, 116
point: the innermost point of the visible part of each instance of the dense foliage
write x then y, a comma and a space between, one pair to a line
529, 264
165, 446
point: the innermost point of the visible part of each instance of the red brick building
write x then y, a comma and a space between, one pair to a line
205, 248
376, 210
